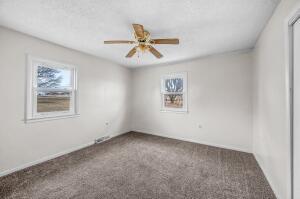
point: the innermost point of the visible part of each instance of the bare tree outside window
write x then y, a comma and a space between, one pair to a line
51, 95
173, 92
48, 77
174, 85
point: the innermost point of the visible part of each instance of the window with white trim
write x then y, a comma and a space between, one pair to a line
51, 89
174, 92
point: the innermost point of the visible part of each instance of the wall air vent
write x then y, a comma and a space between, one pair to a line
102, 139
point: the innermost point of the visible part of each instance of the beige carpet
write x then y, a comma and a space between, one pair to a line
137, 165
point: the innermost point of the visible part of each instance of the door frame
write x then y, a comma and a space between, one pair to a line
291, 21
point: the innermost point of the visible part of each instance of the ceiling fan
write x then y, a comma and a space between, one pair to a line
143, 42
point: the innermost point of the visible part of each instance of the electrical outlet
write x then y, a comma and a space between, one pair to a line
199, 126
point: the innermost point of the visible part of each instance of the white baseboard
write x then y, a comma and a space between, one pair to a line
44, 159
26, 165
198, 142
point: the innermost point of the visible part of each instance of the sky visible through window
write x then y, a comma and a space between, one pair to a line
174, 85
53, 77
66, 77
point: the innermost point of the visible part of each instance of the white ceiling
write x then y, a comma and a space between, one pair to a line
204, 27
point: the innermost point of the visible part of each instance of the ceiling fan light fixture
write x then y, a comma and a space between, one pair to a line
143, 42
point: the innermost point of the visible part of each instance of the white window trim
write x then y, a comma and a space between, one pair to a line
30, 103
184, 109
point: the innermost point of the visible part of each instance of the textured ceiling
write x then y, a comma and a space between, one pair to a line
204, 27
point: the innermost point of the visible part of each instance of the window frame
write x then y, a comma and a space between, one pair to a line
163, 92
31, 113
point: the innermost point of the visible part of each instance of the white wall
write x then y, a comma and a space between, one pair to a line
104, 95
271, 107
219, 99
296, 111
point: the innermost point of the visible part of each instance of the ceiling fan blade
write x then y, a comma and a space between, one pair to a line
131, 52
119, 42
139, 30
165, 41
155, 52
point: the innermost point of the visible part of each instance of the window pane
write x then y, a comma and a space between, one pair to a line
53, 77
50, 101
173, 100
174, 85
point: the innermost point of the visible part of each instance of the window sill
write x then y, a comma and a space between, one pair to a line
44, 119
174, 111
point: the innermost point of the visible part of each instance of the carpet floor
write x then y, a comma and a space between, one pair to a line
136, 165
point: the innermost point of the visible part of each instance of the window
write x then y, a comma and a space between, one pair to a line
174, 92
51, 89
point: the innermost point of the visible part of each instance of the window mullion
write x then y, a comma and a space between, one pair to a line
54, 89
173, 93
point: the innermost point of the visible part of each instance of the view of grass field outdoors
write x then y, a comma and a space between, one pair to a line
173, 97
53, 101
52, 89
